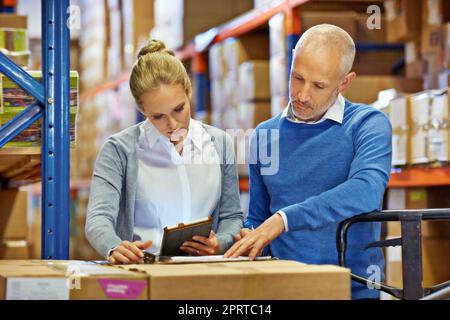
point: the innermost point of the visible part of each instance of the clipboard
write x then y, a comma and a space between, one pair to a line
174, 237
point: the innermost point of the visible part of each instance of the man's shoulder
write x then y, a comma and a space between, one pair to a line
359, 112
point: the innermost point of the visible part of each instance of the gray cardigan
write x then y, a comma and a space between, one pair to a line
110, 213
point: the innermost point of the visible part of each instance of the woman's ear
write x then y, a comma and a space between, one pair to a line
345, 83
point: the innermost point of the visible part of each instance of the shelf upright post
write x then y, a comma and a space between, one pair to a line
199, 69
55, 130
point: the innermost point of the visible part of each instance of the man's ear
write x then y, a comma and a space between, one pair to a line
346, 81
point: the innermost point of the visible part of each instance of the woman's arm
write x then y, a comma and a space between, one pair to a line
104, 198
230, 211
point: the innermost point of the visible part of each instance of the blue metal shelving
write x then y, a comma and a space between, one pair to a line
52, 104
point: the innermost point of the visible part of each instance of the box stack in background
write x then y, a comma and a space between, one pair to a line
435, 235
137, 21
14, 39
177, 22
434, 14
228, 95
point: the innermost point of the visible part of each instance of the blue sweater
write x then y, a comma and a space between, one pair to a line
327, 172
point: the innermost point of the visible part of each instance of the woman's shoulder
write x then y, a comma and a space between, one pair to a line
126, 139
214, 132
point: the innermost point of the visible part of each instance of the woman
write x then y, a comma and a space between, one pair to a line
165, 170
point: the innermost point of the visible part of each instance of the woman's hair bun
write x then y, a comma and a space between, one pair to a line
154, 46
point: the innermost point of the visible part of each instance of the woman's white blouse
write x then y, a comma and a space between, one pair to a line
174, 188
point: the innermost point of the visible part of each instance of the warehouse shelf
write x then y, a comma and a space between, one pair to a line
400, 178
108, 85
52, 105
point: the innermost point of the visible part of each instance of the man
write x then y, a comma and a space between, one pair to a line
334, 163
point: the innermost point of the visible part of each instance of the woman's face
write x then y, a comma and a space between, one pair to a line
168, 109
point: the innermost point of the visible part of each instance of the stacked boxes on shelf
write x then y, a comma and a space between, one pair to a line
228, 91
420, 128
14, 38
14, 99
177, 22
434, 14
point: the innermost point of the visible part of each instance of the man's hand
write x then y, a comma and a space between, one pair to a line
129, 252
255, 241
202, 246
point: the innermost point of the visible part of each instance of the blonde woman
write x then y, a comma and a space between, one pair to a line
168, 169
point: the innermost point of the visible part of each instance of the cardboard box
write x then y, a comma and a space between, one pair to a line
13, 21
217, 66
376, 62
278, 75
14, 250
137, 21
398, 116
439, 133
250, 114
343, 19
420, 104
13, 213
364, 89
401, 20
254, 83
432, 39
415, 66
435, 12
446, 43
63, 280
253, 46
257, 280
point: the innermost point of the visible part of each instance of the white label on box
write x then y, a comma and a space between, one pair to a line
433, 12
389, 7
410, 52
37, 289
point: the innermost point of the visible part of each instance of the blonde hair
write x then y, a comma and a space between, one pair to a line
156, 66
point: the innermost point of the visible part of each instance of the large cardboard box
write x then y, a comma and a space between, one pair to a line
253, 46
435, 12
398, 116
439, 132
254, 82
257, 280
13, 214
420, 104
401, 19
63, 280
376, 62
364, 89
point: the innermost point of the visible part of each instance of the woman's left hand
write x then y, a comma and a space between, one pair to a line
202, 246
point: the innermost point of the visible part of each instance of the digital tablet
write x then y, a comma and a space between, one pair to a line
174, 237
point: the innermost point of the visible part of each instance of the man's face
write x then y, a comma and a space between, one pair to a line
314, 82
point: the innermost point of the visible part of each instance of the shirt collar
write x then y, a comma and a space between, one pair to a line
153, 135
335, 112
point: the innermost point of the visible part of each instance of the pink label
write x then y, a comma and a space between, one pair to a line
122, 289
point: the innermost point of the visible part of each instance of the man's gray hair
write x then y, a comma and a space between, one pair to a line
331, 35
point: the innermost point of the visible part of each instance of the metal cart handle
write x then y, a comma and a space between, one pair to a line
411, 248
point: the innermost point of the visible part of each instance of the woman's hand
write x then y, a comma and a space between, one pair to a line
129, 252
202, 246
